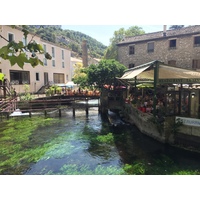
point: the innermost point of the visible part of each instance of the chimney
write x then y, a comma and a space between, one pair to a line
84, 53
164, 30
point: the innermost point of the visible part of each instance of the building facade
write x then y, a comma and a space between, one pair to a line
56, 70
179, 47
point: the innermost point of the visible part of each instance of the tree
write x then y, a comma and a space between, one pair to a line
105, 72
172, 27
80, 75
111, 51
18, 53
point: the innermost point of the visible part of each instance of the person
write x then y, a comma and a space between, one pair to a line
14, 93
5, 81
2, 77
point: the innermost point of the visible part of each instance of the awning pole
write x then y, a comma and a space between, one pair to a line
155, 86
135, 83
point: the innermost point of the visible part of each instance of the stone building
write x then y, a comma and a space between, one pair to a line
179, 47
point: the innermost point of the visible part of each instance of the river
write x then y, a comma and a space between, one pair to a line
89, 145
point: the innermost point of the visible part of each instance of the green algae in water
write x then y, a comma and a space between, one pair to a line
30, 140
135, 169
61, 146
187, 172
73, 169
105, 138
15, 146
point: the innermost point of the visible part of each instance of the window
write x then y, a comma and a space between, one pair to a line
131, 65
63, 54
53, 63
196, 64
172, 44
197, 41
172, 63
10, 37
150, 47
63, 64
131, 50
45, 62
37, 78
24, 40
53, 52
19, 77
45, 48
58, 78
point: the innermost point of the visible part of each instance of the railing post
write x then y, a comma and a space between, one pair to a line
86, 106
73, 111
73, 107
59, 112
7, 115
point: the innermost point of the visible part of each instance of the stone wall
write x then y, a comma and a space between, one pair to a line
183, 54
187, 137
190, 130
144, 123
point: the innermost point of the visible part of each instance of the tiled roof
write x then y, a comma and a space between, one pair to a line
159, 35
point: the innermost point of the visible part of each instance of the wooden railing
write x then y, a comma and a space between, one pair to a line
6, 87
8, 105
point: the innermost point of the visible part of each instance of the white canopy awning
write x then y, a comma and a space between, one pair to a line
135, 71
166, 74
176, 72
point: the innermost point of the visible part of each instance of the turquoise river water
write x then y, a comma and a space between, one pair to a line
88, 145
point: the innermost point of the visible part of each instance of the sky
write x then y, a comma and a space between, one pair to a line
103, 33
99, 19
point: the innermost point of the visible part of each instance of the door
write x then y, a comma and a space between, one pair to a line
46, 78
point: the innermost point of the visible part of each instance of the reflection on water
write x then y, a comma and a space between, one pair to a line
72, 146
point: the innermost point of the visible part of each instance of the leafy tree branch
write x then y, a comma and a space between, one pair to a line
18, 53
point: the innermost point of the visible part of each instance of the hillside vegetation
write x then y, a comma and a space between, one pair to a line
69, 38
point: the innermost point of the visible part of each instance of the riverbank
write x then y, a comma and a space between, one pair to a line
167, 131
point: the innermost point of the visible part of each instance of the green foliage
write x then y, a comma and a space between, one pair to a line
54, 89
70, 39
80, 75
26, 96
111, 51
18, 53
176, 27
105, 72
